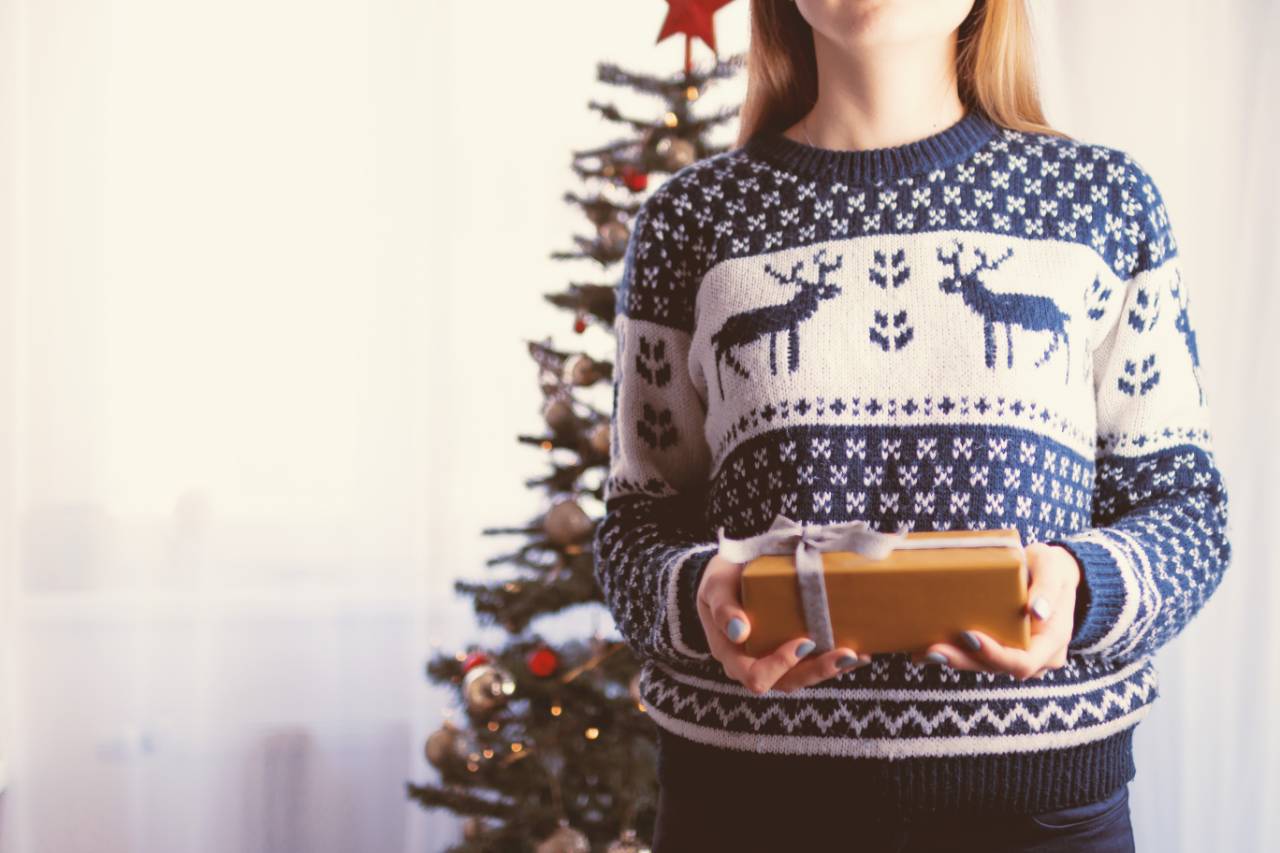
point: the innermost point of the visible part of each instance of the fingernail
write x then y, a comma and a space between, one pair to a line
936, 657
970, 641
1040, 607
736, 628
847, 661
805, 647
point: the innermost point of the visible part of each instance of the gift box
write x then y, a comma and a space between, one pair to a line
849, 585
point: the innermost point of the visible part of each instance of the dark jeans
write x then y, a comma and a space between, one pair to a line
701, 817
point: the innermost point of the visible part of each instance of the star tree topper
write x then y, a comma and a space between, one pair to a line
694, 19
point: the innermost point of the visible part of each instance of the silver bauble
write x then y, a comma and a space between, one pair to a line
487, 686
614, 236
675, 152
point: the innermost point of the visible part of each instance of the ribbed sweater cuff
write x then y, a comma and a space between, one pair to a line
691, 630
1100, 596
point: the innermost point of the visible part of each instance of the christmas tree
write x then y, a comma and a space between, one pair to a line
557, 752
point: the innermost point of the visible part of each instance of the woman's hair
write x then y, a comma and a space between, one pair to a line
995, 67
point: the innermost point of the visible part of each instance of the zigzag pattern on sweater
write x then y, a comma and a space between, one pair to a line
724, 707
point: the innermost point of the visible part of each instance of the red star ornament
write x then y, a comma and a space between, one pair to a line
693, 18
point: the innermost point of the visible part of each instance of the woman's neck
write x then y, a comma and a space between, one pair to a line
883, 95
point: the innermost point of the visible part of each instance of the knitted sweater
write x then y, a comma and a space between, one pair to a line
983, 328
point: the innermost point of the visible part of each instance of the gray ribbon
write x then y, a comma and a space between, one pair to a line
808, 541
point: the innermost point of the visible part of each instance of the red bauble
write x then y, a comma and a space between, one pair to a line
474, 659
634, 179
580, 323
543, 661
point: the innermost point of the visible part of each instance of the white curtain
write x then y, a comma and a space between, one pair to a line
1189, 90
266, 269
217, 456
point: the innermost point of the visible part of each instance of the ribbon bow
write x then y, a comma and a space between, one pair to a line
808, 541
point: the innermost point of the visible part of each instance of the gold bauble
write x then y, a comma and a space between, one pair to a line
600, 438
565, 839
473, 827
627, 843
559, 415
581, 369
446, 747
566, 523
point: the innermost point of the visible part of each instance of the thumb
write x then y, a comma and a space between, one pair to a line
720, 589
1044, 586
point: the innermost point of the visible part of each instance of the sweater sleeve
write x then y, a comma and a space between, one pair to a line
652, 544
1158, 546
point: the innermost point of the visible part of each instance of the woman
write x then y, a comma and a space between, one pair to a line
903, 298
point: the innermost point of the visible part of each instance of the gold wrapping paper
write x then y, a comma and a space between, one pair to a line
904, 602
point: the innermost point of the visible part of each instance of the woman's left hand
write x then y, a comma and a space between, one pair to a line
1051, 601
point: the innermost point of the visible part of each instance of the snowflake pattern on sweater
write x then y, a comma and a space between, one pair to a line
984, 328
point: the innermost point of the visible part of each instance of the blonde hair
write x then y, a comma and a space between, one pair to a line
995, 67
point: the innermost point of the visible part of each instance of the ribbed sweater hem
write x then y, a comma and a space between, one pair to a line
899, 790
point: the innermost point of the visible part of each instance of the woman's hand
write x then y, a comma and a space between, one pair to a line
1051, 601
725, 623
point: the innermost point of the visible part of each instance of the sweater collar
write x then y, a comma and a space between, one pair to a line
949, 145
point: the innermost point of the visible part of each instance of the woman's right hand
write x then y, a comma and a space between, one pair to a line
787, 668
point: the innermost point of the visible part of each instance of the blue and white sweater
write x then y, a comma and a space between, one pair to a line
983, 328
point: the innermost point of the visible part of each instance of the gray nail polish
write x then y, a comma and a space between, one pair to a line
1040, 607
970, 641
805, 647
736, 629
847, 661
936, 657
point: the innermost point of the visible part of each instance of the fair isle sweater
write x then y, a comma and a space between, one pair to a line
983, 328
